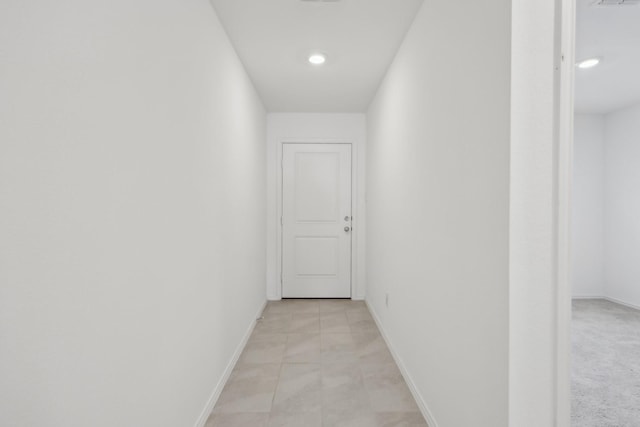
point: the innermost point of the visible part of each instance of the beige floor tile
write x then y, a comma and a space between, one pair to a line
237, 420
302, 348
277, 307
358, 314
271, 315
251, 389
348, 419
400, 419
363, 326
257, 351
293, 306
371, 369
312, 363
336, 375
307, 306
343, 389
291, 419
249, 373
336, 305
299, 389
277, 323
273, 338
387, 389
304, 323
337, 348
371, 348
334, 323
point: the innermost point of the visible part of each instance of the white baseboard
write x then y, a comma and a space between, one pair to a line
610, 299
280, 299
589, 297
626, 304
204, 416
426, 413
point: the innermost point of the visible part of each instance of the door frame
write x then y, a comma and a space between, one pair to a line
356, 232
566, 21
543, 51
357, 222
351, 210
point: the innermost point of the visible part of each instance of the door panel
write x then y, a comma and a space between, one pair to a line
317, 256
316, 186
316, 232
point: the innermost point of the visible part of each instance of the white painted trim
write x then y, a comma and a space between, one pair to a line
613, 300
579, 297
626, 304
356, 293
566, 17
424, 409
539, 265
215, 394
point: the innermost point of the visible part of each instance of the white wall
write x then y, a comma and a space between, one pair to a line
606, 231
622, 205
314, 127
132, 206
588, 207
438, 210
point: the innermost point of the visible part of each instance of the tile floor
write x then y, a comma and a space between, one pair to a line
313, 363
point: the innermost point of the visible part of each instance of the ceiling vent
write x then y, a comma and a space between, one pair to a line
613, 3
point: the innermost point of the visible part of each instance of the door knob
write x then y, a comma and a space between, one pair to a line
347, 229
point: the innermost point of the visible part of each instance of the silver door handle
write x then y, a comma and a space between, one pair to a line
347, 229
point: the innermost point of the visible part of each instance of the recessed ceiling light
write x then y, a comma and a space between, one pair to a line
588, 63
317, 59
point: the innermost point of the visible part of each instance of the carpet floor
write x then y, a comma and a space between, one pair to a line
605, 365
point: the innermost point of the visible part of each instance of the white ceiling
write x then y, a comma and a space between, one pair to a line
612, 33
274, 37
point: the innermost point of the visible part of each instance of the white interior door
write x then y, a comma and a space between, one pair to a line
316, 221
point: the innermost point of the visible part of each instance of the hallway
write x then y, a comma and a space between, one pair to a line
316, 363
142, 213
